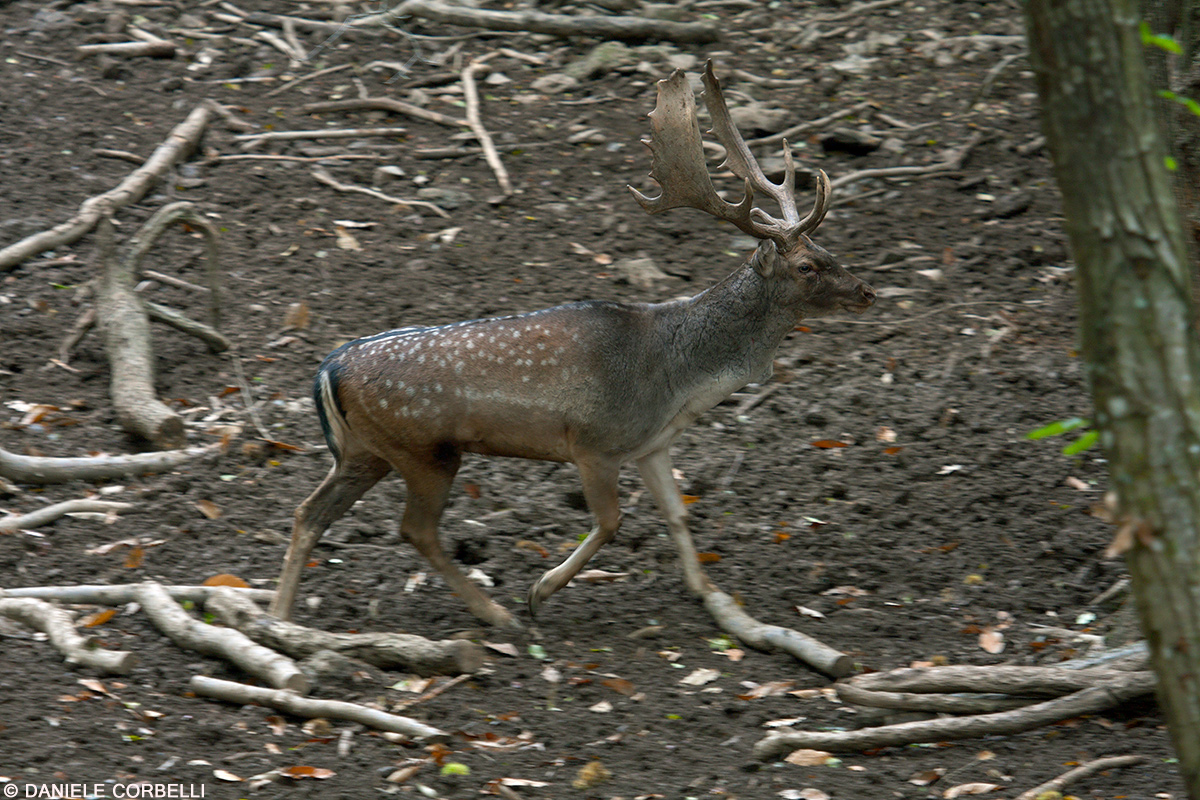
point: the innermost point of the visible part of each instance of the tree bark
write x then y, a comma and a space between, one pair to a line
1136, 315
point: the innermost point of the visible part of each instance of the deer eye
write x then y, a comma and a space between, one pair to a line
805, 267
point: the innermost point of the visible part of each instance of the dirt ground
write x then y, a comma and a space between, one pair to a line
936, 527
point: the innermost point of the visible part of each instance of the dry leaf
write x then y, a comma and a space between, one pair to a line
404, 773
708, 558
209, 509
849, 591
296, 317
927, 777
969, 788
591, 774
808, 758
826, 444
809, 612
688, 499
226, 775
619, 685
135, 557
98, 618
600, 576
1075, 483
300, 772
346, 240
734, 654
767, 690
504, 648
992, 640
603, 707
885, 434
277, 724
701, 676
786, 722
225, 579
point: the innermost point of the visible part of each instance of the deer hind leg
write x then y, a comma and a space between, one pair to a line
656, 473
600, 491
429, 482
350, 478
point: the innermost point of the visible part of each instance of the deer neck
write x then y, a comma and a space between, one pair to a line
730, 333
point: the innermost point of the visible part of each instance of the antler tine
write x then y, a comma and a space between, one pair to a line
677, 161
742, 163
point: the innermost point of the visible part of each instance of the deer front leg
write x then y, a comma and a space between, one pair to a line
656, 473
600, 491
349, 480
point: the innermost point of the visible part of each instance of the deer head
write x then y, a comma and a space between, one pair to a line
806, 278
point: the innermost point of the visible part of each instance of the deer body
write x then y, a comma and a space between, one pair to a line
595, 383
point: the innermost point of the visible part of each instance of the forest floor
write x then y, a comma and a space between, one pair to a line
938, 534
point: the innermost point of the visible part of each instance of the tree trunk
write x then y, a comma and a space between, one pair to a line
1136, 315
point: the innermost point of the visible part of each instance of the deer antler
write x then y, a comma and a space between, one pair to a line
677, 164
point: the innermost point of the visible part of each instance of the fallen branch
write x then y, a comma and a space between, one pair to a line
250, 140
761, 636
385, 650
471, 95
952, 163
46, 469
145, 238
429, 695
122, 318
1078, 774
59, 626
156, 49
123, 593
619, 28
1120, 689
794, 131
177, 146
383, 104
292, 703
327, 179
226, 643
217, 342
35, 519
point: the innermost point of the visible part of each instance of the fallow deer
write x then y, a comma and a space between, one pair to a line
595, 383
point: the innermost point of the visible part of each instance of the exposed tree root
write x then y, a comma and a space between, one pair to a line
120, 594
292, 703
1091, 690
43, 516
385, 650
619, 28
178, 145
46, 469
231, 645
1079, 773
57, 624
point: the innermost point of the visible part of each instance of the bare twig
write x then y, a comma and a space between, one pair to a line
471, 94
292, 703
384, 104
250, 140
226, 643
44, 469
178, 144
121, 594
297, 81
122, 318
855, 11
803, 127
58, 625
217, 342
155, 49
619, 28
1079, 773
952, 163
432, 693
43, 516
327, 179
385, 650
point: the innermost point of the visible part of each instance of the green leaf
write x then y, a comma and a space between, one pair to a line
1170, 163
1081, 444
1161, 40
455, 768
1058, 428
537, 651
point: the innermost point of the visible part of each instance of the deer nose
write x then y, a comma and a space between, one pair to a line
868, 294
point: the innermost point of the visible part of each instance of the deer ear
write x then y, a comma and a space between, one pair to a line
764, 258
